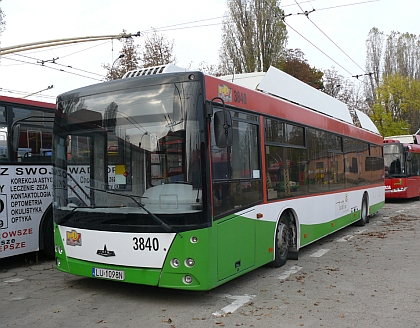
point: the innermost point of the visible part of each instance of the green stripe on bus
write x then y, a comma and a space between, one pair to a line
312, 232
376, 207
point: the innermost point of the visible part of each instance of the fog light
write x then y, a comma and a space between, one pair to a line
175, 263
58, 262
194, 239
187, 280
189, 262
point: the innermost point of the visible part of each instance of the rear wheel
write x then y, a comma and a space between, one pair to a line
282, 244
364, 217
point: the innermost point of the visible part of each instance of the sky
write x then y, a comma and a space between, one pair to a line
333, 35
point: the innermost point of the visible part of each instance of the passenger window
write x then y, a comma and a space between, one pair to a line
35, 135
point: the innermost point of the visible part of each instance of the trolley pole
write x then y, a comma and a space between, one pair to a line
60, 42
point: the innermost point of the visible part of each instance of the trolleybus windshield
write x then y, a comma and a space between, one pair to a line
394, 160
124, 161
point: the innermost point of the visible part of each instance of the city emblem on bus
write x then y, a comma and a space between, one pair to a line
399, 183
225, 92
73, 238
105, 252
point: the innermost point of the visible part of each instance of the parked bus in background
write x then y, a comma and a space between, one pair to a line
25, 176
402, 166
177, 179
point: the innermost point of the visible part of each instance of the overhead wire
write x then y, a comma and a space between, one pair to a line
24, 93
187, 23
61, 70
97, 45
307, 16
53, 61
347, 5
181, 26
306, 13
317, 48
165, 29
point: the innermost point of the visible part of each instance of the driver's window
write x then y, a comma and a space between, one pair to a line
167, 164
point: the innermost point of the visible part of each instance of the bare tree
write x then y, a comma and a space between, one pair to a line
402, 55
210, 69
346, 91
254, 36
397, 53
374, 50
127, 61
393, 64
2, 21
333, 82
157, 51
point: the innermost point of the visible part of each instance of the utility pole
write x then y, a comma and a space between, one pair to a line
60, 42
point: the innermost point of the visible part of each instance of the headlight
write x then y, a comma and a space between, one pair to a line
58, 249
175, 263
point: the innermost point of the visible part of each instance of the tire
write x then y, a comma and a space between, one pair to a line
282, 244
364, 217
48, 239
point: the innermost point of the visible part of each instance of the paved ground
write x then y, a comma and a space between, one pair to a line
359, 277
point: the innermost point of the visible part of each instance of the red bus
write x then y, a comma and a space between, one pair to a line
25, 176
402, 166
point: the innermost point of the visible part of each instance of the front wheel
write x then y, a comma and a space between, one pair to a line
282, 244
49, 237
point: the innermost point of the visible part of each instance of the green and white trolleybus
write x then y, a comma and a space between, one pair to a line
177, 179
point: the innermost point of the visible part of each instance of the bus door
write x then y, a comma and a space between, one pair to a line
236, 186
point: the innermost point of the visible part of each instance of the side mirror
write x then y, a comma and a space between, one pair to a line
223, 129
409, 157
15, 137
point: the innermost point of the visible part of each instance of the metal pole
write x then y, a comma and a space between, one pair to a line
31, 94
59, 42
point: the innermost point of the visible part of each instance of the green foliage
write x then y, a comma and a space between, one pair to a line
397, 106
393, 62
386, 125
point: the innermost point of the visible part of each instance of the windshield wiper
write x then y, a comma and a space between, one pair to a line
164, 225
80, 187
